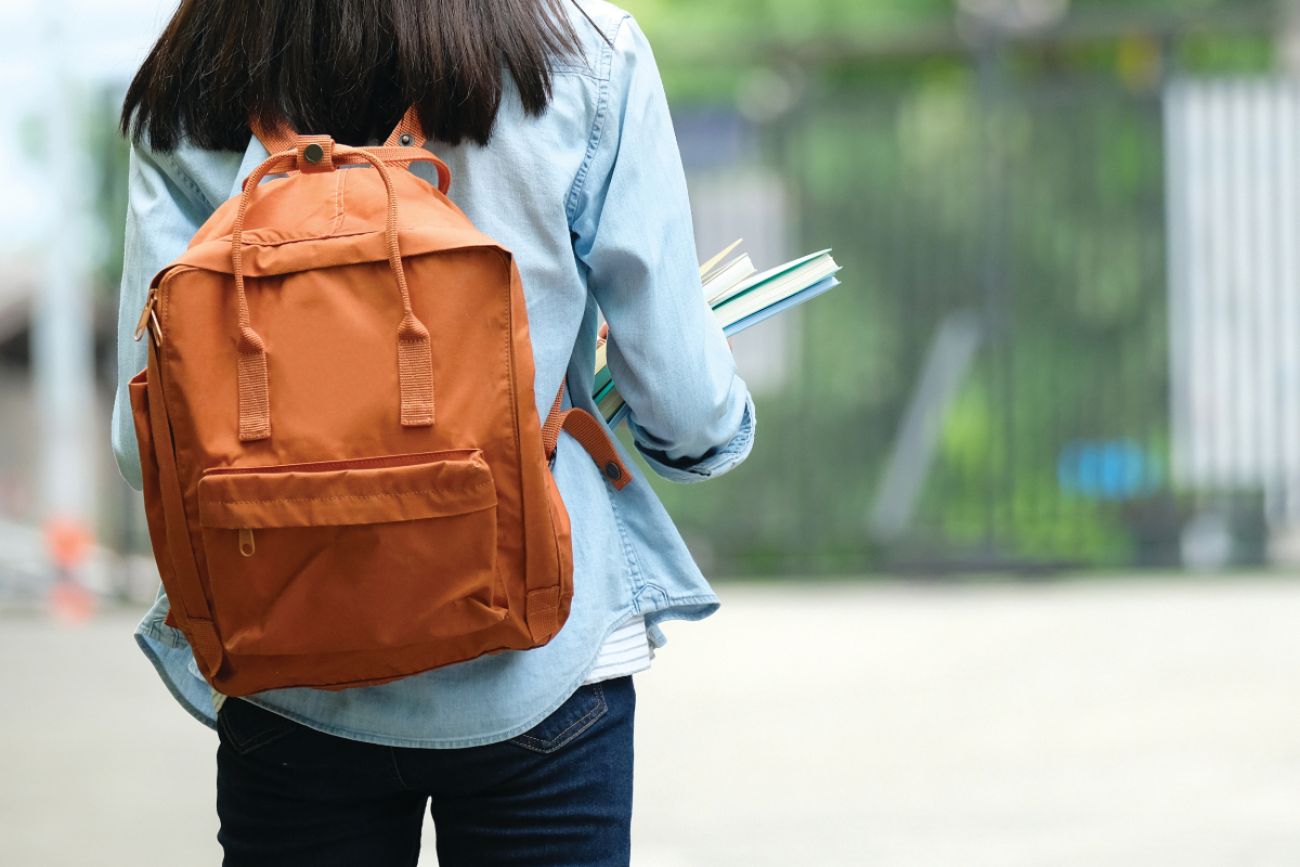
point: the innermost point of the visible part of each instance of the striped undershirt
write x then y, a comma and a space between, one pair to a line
626, 651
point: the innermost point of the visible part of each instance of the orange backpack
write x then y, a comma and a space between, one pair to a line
345, 476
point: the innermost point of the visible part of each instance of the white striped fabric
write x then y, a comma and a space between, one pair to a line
626, 651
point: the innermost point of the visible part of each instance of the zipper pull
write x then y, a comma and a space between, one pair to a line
246, 545
148, 317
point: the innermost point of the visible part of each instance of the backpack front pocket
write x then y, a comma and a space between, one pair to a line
355, 555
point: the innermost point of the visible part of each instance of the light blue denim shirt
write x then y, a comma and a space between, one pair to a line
591, 198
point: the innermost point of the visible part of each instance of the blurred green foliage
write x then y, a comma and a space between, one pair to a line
1025, 188
767, 21
705, 49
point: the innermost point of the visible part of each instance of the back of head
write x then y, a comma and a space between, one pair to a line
346, 68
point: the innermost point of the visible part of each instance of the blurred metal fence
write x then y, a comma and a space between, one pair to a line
1067, 335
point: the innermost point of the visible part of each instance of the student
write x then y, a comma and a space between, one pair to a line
553, 119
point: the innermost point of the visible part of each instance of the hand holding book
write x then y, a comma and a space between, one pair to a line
740, 297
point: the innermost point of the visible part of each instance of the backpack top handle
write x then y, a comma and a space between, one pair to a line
408, 134
414, 354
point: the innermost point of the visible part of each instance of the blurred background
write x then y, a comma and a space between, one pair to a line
1011, 568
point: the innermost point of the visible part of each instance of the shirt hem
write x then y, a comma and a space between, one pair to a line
142, 637
687, 608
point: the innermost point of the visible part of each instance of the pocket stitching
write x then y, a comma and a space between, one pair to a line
459, 483
244, 746
484, 483
564, 738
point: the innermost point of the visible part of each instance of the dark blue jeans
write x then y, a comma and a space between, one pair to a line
560, 794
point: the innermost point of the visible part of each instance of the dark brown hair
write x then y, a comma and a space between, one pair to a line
345, 68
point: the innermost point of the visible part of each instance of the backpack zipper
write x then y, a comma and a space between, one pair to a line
148, 318
247, 546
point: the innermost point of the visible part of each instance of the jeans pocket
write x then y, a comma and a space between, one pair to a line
246, 727
578, 714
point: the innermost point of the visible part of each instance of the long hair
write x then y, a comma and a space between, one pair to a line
345, 68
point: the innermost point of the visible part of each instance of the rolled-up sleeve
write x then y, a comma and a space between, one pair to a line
164, 210
690, 414
711, 464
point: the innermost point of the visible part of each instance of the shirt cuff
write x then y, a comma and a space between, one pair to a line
714, 463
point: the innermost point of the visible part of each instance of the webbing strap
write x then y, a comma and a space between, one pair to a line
409, 135
408, 132
404, 156
554, 424
542, 610
277, 138
187, 590
591, 434
415, 375
254, 392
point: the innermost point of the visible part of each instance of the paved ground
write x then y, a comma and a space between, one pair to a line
1122, 724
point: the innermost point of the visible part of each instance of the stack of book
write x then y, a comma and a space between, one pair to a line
741, 297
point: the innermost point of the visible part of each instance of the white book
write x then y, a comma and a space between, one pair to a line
722, 284
740, 298
776, 285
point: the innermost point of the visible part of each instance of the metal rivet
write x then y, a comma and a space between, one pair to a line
406, 139
313, 153
612, 470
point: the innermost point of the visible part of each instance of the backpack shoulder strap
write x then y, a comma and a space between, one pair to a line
408, 132
590, 434
281, 137
276, 139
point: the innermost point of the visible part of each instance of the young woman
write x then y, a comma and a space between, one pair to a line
553, 119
